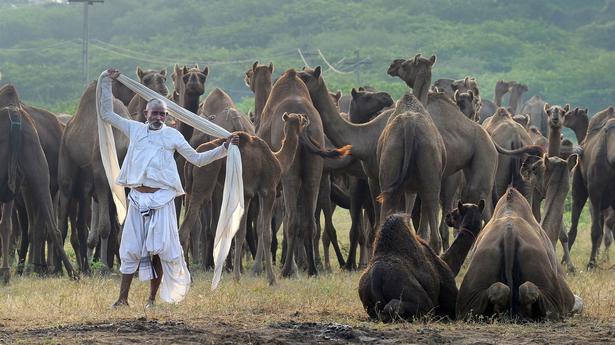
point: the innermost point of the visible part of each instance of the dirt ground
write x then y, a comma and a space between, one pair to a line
216, 331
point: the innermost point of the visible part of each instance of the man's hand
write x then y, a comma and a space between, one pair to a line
113, 73
232, 140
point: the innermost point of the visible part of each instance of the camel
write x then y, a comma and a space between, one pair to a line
122, 92
190, 85
593, 178
535, 106
537, 137
468, 145
406, 279
488, 108
258, 79
365, 104
555, 116
514, 270
261, 178
411, 159
82, 179
153, 79
302, 180
465, 102
26, 175
523, 120
510, 135
577, 120
516, 96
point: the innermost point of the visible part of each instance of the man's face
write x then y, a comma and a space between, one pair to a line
156, 116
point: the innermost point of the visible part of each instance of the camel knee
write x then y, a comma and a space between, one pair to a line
498, 294
391, 311
528, 294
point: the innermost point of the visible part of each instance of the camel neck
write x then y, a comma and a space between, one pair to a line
191, 103
261, 94
556, 189
497, 99
458, 251
362, 137
513, 101
554, 141
286, 154
580, 131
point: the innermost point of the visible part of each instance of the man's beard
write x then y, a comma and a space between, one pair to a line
155, 125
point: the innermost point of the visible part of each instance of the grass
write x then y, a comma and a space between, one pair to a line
34, 302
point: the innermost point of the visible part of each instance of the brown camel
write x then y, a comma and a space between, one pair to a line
537, 137
516, 96
411, 160
488, 107
513, 269
122, 92
26, 175
468, 146
523, 120
406, 279
302, 181
510, 135
261, 177
190, 85
82, 179
535, 106
153, 79
577, 120
555, 117
594, 178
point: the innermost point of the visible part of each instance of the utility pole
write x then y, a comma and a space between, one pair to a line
86, 37
357, 67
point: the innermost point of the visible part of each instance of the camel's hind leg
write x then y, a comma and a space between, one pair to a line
266, 202
240, 238
563, 238
579, 198
5, 230
498, 295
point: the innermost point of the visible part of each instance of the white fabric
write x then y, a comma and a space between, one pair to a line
232, 200
155, 234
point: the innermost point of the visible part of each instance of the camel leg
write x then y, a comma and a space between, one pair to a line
579, 198
358, 190
309, 192
563, 238
429, 215
447, 194
530, 298
191, 221
291, 223
596, 231
258, 259
5, 230
374, 189
240, 238
324, 200
479, 186
276, 222
204, 222
317, 234
498, 295
266, 202
367, 226
24, 242
83, 219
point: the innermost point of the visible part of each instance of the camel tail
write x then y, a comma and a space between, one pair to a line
397, 151
315, 148
532, 150
509, 245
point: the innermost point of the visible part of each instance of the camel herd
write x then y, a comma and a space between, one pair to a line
305, 150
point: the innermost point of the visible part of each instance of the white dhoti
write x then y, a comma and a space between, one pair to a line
151, 229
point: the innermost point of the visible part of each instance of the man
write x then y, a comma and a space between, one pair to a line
150, 239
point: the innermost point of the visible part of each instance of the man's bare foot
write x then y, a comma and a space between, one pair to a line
119, 304
150, 303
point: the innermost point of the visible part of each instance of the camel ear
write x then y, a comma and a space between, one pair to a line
317, 72
455, 96
416, 58
432, 60
285, 116
338, 94
546, 108
353, 92
481, 205
528, 117
471, 93
270, 67
254, 65
206, 71
163, 72
572, 161
566, 108
185, 69
139, 72
585, 110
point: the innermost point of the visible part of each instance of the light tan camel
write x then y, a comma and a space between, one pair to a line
514, 269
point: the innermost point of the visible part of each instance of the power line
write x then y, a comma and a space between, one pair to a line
329, 65
55, 45
303, 58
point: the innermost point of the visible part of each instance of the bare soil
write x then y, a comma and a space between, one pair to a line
217, 331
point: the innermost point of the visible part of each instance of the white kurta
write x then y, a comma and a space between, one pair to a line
149, 162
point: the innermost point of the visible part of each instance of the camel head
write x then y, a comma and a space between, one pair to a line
465, 102
466, 84
194, 79
502, 87
467, 216
335, 97
365, 104
533, 173
411, 69
153, 79
558, 169
576, 117
523, 120
294, 123
176, 77
312, 77
555, 114
518, 88
258, 73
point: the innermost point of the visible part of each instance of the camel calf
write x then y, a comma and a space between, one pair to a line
405, 278
514, 269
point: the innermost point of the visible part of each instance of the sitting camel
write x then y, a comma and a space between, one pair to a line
405, 278
261, 177
514, 269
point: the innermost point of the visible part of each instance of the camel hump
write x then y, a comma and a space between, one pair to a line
9, 95
291, 73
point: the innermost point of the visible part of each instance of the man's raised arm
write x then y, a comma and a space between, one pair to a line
106, 103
